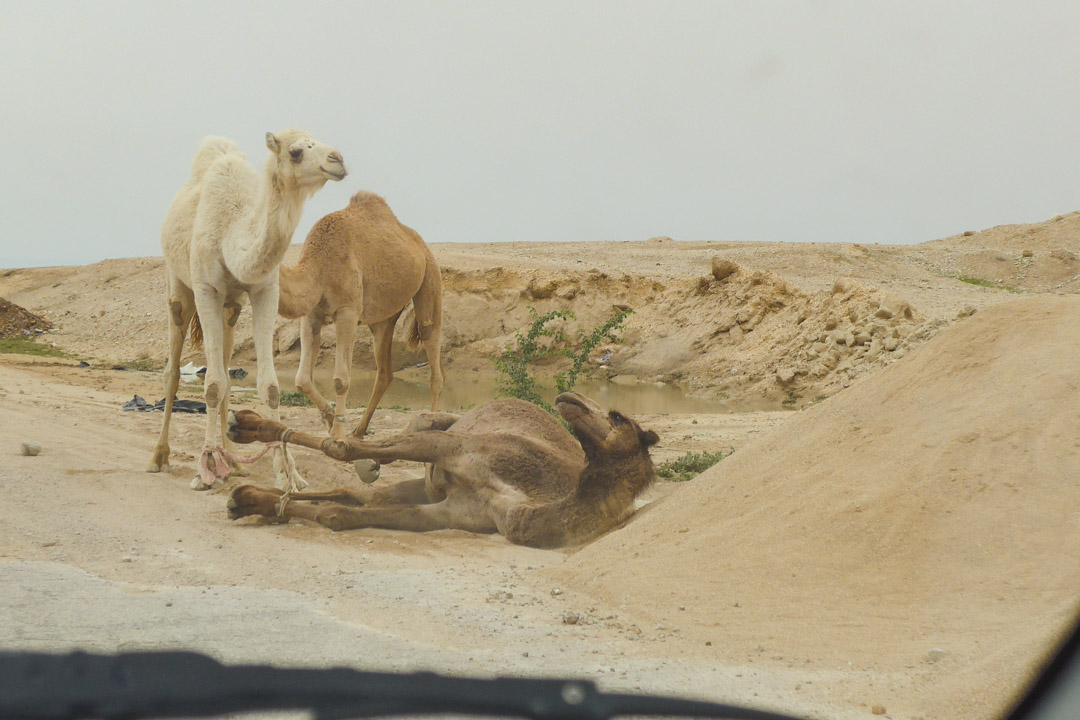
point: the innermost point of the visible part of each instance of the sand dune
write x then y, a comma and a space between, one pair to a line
934, 505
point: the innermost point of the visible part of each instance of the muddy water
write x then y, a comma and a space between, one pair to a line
462, 391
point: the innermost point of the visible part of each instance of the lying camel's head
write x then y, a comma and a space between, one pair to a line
603, 433
304, 159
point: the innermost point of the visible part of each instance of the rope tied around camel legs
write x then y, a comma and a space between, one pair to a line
248, 459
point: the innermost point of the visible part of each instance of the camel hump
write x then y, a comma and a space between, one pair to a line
366, 198
210, 149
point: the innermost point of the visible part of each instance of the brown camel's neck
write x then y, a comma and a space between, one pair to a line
300, 289
275, 213
604, 498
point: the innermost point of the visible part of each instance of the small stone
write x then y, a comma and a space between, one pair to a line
1027, 253
966, 312
555, 592
936, 655
969, 233
570, 618
878, 710
891, 344
785, 375
30, 448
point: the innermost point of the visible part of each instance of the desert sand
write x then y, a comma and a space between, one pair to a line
895, 531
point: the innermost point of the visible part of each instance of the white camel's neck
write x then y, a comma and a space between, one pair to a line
275, 213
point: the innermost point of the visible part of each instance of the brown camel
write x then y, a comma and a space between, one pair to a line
506, 466
361, 265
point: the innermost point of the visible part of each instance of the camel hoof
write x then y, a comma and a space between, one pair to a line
198, 484
367, 470
249, 500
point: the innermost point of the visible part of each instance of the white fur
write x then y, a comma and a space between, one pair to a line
223, 239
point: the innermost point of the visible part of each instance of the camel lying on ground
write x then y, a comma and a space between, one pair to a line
506, 466
361, 264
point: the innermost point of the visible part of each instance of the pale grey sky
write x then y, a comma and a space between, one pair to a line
491, 121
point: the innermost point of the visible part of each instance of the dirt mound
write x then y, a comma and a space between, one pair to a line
16, 321
1042, 256
930, 508
751, 335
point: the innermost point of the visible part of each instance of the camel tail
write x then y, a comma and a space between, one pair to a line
426, 307
412, 337
196, 332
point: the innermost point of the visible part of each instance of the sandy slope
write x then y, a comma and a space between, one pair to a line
935, 505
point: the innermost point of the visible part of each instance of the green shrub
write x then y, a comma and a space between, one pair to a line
26, 346
689, 465
295, 398
515, 377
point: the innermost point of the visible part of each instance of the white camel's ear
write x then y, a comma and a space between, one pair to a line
272, 143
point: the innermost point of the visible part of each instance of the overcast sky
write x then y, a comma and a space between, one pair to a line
823, 121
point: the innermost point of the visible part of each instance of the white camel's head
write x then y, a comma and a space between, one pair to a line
305, 160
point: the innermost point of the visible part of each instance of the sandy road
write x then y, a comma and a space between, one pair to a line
98, 555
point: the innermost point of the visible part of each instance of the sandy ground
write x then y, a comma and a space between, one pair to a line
910, 500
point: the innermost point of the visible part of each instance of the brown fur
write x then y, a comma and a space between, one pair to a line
506, 466
360, 264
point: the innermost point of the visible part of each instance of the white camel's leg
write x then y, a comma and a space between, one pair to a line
264, 303
232, 314
181, 308
383, 333
310, 342
345, 326
209, 303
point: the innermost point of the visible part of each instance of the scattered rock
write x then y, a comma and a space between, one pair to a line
969, 233
878, 709
570, 618
16, 321
883, 313
556, 592
722, 268
1027, 253
966, 312
30, 448
785, 375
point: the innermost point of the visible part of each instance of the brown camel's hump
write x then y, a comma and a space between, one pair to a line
371, 204
517, 417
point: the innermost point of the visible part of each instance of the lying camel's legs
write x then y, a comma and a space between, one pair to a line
429, 446
431, 421
250, 500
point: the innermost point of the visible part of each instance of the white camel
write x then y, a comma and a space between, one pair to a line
223, 238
